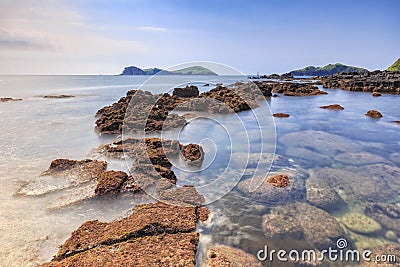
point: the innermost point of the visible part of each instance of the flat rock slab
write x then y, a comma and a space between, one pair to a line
146, 220
161, 250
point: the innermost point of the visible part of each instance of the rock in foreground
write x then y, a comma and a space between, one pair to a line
153, 235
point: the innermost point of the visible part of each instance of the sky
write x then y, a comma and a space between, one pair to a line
276, 36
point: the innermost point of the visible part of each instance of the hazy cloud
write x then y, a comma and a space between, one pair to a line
151, 29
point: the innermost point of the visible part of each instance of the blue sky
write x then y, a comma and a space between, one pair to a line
92, 37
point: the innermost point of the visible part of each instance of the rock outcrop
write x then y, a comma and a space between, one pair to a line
375, 81
281, 115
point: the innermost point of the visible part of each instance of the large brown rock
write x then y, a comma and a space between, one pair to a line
148, 251
145, 220
386, 214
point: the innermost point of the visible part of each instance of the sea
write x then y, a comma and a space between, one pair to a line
38, 215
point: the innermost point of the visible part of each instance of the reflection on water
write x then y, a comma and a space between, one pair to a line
351, 161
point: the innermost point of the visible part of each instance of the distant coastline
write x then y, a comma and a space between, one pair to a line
194, 70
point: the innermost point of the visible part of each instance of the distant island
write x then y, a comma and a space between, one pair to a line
326, 70
395, 66
195, 70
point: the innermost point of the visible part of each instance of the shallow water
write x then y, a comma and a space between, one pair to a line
36, 131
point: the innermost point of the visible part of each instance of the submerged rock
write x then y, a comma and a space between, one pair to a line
321, 142
302, 221
360, 158
387, 173
384, 250
321, 195
182, 195
374, 114
353, 186
220, 255
386, 214
271, 194
360, 223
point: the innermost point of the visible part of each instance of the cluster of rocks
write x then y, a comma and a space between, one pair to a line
296, 89
375, 81
154, 234
151, 170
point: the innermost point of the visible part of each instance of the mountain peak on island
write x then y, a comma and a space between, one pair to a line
395, 66
194, 70
325, 70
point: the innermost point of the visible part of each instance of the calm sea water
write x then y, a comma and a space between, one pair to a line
36, 131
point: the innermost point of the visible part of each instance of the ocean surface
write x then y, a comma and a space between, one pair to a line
35, 221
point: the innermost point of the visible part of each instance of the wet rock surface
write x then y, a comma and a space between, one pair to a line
82, 170
159, 229
375, 81
360, 158
192, 152
298, 220
220, 255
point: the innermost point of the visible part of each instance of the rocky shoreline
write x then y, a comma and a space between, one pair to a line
165, 233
